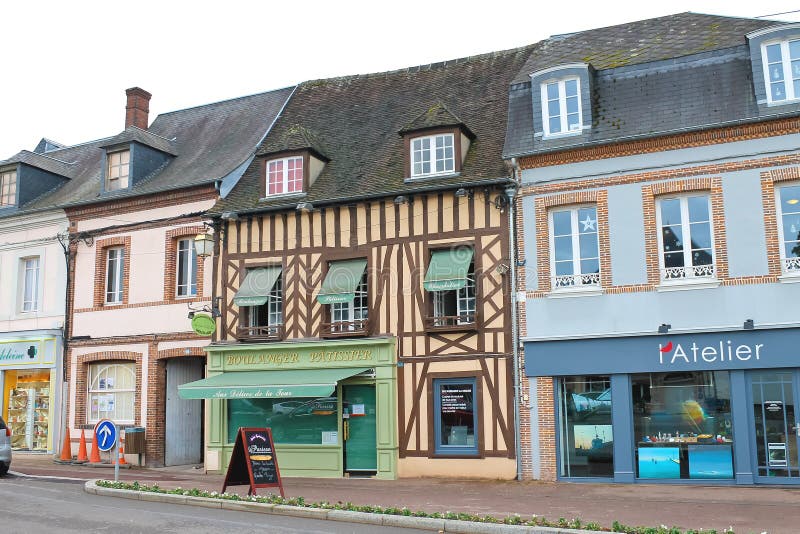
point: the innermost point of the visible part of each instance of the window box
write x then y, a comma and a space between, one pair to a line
260, 333
357, 327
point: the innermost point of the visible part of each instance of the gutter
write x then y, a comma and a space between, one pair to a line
373, 196
511, 191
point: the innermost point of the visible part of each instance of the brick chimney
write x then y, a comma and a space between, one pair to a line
138, 107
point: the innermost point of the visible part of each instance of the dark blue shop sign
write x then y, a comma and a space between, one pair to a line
714, 351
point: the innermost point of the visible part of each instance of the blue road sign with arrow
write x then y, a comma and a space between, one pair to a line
105, 433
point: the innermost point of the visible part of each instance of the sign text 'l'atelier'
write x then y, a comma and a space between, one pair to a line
723, 352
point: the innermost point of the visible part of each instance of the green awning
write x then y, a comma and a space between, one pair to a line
341, 281
257, 285
448, 269
268, 384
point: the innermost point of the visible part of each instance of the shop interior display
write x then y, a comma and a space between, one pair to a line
28, 415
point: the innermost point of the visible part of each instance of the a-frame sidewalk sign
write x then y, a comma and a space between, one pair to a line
253, 461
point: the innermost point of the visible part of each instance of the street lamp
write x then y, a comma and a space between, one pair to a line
204, 245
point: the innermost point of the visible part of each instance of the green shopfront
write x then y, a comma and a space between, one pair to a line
330, 404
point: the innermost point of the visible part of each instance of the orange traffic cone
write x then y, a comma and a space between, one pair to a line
82, 458
122, 455
95, 457
66, 449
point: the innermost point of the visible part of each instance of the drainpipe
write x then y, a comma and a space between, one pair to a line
512, 259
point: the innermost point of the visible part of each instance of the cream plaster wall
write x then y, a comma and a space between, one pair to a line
144, 215
129, 321
482, 468
22, 237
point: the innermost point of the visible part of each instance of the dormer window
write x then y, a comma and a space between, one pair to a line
284, 175
8, 188
782, 70
561, 106
432, 155
118, 170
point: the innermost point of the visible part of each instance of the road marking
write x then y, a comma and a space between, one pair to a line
46, 477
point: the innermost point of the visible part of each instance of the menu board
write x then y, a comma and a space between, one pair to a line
456, 398
253, 462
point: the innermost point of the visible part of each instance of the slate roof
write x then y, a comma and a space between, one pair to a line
209, 142
44, 162
358, 120
653, 77
145, 137
434, 117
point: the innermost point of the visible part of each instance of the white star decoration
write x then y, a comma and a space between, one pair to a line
588, 223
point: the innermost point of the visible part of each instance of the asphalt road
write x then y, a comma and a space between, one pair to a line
53, 506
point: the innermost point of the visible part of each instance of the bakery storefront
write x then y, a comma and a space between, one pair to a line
711, 407
330, 404
29, 382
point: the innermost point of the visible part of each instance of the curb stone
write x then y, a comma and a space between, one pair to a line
421, 523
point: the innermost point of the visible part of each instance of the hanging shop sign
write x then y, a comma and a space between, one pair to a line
203, 324
254, 461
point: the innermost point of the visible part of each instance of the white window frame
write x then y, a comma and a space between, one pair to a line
790, 267
188, 255
29, 294
114, 161
688, 273
420, 154
562, 107
786, 65
355, 310
274, 306
578, 280
284, 183
116, 294
466, 300
8, 188
113, 370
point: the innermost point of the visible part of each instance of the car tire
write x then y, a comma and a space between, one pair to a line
3, 469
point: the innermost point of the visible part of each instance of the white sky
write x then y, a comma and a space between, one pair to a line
66, 64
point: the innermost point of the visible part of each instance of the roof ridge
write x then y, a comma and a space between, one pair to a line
148, 132
40, 155
423, 67
225, 101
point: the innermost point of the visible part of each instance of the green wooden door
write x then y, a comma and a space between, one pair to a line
361, 437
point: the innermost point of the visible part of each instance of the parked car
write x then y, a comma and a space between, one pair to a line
5, 447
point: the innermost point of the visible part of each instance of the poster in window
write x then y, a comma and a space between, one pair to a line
455, 398
110, 382
659, 462
777, 454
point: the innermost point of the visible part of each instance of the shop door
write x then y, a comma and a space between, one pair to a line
360, 435
775, 425
184, 418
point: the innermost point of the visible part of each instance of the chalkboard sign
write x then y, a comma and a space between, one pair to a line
253, 461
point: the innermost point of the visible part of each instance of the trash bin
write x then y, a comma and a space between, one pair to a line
134, 440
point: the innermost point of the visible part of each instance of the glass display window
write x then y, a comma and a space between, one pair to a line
28, 409
297, 420
682, 425
585, 431
455, 416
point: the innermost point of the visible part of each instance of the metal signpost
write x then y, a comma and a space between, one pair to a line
106, 436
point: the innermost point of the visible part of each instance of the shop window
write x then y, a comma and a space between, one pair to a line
294, 421
789, 228
112, 387
28, 408
455, 416
574, 249
682, 425
186, 282
685, 238
586, 436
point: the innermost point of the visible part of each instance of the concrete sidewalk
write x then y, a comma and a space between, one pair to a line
774, 510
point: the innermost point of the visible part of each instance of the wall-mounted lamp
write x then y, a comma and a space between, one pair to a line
401, 199
664, 328
461, 192
502, 268
305, 207
230, 215
748, 324
213, 309
204, 245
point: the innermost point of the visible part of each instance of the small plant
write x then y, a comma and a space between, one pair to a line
516, 519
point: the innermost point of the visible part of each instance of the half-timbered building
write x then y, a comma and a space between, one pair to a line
363, 270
